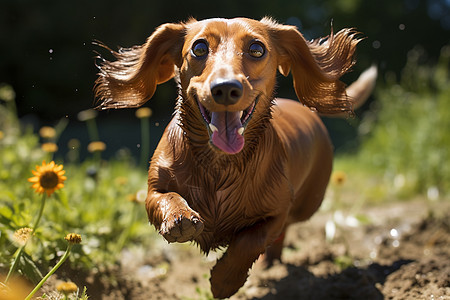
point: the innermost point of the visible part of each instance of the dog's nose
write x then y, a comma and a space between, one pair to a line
226, 91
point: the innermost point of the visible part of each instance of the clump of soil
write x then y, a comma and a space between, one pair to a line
402, 253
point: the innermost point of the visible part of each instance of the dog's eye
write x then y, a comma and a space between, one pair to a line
200, 48
256, 50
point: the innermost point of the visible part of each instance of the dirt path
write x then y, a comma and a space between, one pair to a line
403, 252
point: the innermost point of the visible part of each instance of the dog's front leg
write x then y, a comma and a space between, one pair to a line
231, 271
172, 217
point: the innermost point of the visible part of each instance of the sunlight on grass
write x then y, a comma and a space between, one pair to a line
405, 145
102, 200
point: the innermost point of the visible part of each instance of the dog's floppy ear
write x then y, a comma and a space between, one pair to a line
316, 66
131, 80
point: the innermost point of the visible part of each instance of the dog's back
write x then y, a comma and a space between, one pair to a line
309, 150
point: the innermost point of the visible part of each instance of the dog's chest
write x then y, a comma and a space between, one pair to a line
231, 207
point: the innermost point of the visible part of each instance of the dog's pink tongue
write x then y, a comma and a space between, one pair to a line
227, 138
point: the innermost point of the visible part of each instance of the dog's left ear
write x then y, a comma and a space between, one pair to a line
316, 66
131, 80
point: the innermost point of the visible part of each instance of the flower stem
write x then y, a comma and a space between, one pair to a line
92, 130
15, 263
56, 267
41, 210
19, 251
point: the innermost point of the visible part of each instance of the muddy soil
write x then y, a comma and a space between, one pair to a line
401, 251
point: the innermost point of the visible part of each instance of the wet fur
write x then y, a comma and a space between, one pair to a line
244, 201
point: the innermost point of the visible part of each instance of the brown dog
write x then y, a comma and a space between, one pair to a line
235, 166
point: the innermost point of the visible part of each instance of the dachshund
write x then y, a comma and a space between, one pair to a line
235, 165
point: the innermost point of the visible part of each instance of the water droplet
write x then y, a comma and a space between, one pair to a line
393, 233
376, 44
378, 240
433, 193
399, 181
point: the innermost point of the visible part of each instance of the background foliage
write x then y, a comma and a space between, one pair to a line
47, 52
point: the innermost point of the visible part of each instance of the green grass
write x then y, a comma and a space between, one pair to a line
405, 146
98, 201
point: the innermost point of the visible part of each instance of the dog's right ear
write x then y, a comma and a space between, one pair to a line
131, 80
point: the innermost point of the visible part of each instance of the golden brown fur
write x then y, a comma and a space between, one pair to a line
220, 179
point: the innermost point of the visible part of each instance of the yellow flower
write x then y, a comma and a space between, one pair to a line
143, 112
2, 135
48, 178
121, 180
22, 235
132, 198
49, 147
96, 146
67, 287
338, 178
73, 238
47, 132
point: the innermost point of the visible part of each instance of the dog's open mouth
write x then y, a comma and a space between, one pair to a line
226, 128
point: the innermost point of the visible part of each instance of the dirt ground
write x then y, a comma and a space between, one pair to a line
402, 252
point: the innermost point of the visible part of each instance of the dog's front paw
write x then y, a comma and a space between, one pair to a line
182, 226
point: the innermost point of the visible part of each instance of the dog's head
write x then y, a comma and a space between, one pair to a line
227, 72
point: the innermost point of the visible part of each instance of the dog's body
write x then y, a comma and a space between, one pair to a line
235, 166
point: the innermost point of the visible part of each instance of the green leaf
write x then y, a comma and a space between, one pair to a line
29, 268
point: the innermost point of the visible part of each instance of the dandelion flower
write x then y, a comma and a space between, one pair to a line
49, 147
338, 178
48, 178
132, 198
67, 287
73, 238
22, 235
143, 112
96, 146
47, 132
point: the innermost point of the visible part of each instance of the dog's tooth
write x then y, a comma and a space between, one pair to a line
241, 131
241, 113
213, 128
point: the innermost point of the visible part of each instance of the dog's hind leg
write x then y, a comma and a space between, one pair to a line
273, 252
